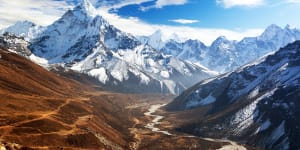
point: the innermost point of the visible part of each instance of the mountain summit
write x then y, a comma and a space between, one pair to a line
86, 7
82, 41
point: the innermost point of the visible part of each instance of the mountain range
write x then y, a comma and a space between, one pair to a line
224, 55
257, 103
246, 90
83, 41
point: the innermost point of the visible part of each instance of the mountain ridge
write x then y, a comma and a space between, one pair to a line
84, 42
224, 55
256, 102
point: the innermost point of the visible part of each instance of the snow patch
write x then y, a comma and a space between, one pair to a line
254, 93
120, 71
263, 126
143, 78
38, 60
165, 74
171, 85
100, 73
205, 101
245, 117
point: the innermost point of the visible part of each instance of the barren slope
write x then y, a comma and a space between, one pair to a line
40, 109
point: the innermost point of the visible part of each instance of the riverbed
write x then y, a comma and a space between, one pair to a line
156, 119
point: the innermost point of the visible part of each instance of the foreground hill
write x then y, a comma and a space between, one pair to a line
257, 103
21, 76
40, 109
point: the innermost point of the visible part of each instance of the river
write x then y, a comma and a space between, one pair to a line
156, 121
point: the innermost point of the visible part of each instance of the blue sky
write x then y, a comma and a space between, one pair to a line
199, 19
213, 14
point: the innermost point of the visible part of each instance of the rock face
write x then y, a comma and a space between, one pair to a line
15, 43
83, 41
257, 103
19, 45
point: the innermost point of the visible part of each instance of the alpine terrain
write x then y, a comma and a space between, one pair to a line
224, 55
84, 42
81, 82
257, 103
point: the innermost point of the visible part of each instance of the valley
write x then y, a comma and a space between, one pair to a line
83, 122
34, 115
83, 82
157, 124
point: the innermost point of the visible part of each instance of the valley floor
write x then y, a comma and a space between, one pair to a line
153, 132
96, 120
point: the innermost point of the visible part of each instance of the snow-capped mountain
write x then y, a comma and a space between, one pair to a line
257, 103
155, 40
193, 50
25, 29
76, 33
83, 41
224, 55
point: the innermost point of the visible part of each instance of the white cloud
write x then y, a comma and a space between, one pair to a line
122, 3
41, 12
236, 3
163, 3
207, 35
184, 21
293, 1
46, 11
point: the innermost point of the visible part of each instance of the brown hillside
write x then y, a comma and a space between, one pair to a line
40, 109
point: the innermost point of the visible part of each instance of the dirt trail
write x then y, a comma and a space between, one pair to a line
48, 115
134, 131
43, 115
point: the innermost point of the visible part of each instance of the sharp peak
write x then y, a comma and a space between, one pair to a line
222, 38
87, 7
287, 26
290, 27
156, 33
84, 2
273, 26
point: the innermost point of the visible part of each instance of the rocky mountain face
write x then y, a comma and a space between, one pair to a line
224, 55
19, 45
83, 41
154, 40
257, 103
15, 43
